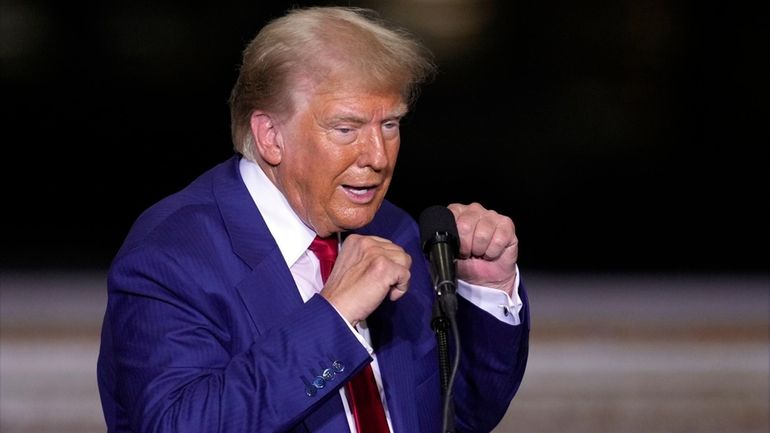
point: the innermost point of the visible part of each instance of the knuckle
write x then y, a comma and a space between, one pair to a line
366, 241
407, 260
505, 225
484, 233
377, 262
476, 206
463, 226
380, 264
499, 242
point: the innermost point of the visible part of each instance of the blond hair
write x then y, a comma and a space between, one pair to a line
319, 42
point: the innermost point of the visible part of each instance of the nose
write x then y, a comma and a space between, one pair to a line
373, 150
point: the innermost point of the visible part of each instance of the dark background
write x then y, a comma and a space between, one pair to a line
620, 136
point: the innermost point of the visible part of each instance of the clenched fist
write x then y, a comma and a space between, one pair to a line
488, 247
367, 269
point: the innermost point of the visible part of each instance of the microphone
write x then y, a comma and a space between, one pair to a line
440, 242
438, 234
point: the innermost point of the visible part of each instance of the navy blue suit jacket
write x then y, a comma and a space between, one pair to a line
205, 330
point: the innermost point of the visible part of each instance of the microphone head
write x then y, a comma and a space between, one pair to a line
437, 224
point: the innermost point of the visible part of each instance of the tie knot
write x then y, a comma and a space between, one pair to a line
325, 248
326, 251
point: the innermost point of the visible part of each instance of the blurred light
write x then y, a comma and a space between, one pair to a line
23, 31
448, 27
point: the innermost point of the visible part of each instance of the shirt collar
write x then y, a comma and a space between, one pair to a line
290, 233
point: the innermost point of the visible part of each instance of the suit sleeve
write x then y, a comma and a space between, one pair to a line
174, 370
492, 363
492, 360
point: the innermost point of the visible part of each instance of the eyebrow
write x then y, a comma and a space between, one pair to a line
360, 120
398, 115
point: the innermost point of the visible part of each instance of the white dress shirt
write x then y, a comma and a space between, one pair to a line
294, 237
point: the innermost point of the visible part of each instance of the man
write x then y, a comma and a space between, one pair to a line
220, 318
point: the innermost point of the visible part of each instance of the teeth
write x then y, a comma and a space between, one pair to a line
358, 191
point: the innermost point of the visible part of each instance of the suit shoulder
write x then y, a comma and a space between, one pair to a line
191, 212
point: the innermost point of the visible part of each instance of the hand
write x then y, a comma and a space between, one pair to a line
367, 269
488, 247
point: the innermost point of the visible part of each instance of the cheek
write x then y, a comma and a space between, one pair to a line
322, 173
394, 155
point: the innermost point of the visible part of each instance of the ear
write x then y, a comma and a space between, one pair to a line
267, 139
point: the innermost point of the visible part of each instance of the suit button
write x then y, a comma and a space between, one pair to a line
319, 382
328, 374
310, 390
338, 366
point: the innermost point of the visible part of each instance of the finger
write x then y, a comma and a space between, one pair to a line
456, 209
483, 234
387, 247
400, 257
465, 228
502, 239
466, 217
362, 241
401, 287
383, 246
389, 269
377, 239
368, 247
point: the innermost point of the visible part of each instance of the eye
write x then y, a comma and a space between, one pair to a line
390, 125
390, 129
343, 134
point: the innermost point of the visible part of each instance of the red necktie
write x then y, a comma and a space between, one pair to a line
363, 396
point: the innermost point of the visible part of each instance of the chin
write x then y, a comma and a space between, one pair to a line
358, 217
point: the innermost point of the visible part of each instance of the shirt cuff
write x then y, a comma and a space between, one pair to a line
494, 301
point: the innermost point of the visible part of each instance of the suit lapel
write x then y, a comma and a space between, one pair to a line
269, 291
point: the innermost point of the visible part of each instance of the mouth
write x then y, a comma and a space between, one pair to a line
360, 194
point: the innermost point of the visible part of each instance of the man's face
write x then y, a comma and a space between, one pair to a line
339, 149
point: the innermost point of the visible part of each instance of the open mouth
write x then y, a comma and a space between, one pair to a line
360, 193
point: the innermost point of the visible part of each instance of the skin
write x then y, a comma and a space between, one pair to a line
489, 247
333, 159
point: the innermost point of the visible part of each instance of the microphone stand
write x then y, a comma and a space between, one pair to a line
443, 318
438, 233
440, 326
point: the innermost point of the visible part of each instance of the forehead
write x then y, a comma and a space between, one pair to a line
339, 87
346, 99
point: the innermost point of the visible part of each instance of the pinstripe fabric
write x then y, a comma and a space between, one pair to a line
205, 331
